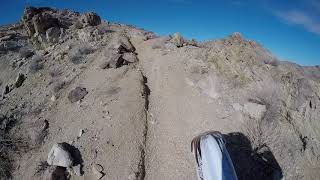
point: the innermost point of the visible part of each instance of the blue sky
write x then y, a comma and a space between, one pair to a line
290, 29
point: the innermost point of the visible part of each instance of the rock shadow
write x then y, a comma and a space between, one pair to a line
249, 163
75, 153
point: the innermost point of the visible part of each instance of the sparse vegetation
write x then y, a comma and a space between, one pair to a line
6, 147
264, 131
42, 167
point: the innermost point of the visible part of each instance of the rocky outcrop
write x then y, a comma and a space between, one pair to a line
90, 19
46, 25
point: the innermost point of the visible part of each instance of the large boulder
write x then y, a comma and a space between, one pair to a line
53, 34
90, 19
77, 94
130, 57
38, 20
59, 155
44, 21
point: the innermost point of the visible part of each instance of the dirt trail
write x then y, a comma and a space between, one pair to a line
177, 113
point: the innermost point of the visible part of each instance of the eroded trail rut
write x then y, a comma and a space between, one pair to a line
177, 112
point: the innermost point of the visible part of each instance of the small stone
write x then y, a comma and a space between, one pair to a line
116, 61
104, 65
254, 110
77, 94
53, 98
19, 81
80, 133
90, 19
59, 156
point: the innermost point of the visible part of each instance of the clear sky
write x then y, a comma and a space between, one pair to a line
290, 29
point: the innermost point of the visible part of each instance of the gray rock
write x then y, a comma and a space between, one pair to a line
53, 34
90, 19
60, 156
19, 81
130, 57
44, 21
254, 110
124, 45
116, 61
77, 94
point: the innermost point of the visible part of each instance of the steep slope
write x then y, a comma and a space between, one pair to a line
130, 102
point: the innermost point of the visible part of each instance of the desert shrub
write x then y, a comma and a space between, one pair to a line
41, 167
6, 147
36, 63
264, 131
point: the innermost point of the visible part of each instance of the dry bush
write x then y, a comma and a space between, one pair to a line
265, 131
7, 146
42, 167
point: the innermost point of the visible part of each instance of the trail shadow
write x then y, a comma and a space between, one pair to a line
249, 163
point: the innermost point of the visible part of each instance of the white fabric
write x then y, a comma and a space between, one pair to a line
211, 158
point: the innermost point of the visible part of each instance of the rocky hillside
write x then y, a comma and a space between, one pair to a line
83, 98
